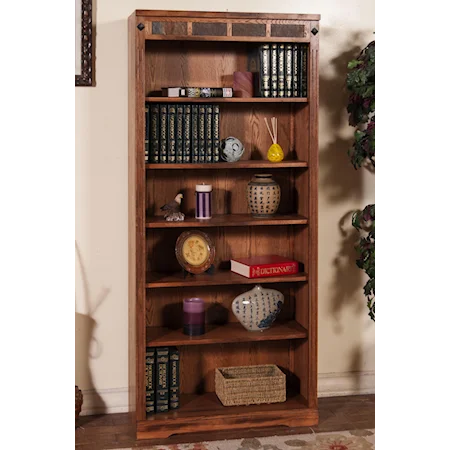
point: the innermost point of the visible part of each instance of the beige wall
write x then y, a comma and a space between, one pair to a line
346, 334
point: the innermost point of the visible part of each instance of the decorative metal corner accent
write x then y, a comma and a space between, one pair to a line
314, 31
85, 78
140, 26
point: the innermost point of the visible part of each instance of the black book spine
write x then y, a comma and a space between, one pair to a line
201, 133
194, 134
187, 134
281, 64
216, 133
174, 383
162, 379
209, 134
288, 70
264, 70
273, 71
304, 71
295, 71
147, 133
150, 380
179, 135
154, 133
171, 133
163, 134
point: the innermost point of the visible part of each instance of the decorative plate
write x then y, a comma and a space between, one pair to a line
258, 308
195, 251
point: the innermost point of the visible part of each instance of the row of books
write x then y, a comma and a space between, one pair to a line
162, 379
283, 70
182, 133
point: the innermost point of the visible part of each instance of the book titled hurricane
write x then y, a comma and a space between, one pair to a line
179, 134
273, 70
163, 143
264, 70
147, 132
288, 69
162, 379
174, 378
209, 134
150, 380
194, 134
187, 134
264, 266
171, 134
154, 133
201, 133
215, 134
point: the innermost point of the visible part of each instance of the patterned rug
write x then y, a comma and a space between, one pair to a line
339, 440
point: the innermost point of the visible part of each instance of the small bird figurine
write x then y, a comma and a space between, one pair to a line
172, 210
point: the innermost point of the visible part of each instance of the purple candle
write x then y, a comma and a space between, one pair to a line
193, 316
203, 206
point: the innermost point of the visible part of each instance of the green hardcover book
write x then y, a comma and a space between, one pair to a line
179, 135
216, 136
194, 134
295, 71
174, 375
273, 71
201, 133
150, 380
163, 143
304, 71
147, 132
162, 379
209, 134
288, 69
281, 66
171, 134
154, 133
187, 134
264, 70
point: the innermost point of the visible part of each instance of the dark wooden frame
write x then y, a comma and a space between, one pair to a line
87, 70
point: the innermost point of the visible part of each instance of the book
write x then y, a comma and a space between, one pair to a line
304, 71
163, 134
171, 92
150, 380
273, 70
187, 134
194, 134
208, 134
201, 133
162, 379
295, 71
174, 378
288, 69
147, 133
171, 134
264, 70
206, 92
264, 266
179, 134
215, 133
281, 64
154, 133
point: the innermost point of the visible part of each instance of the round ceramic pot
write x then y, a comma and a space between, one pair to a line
263, 195
258, 308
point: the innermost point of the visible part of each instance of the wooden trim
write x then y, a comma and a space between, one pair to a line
87, 64
224, 15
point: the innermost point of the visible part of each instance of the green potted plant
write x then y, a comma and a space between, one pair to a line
361, 109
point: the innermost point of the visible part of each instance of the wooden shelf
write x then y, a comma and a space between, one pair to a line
228, 220
205, 412
225, 100
220, 278
249, 164
223, 334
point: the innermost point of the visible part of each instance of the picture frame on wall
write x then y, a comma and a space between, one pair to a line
84, 71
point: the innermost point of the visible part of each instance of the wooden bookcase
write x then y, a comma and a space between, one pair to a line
180, 48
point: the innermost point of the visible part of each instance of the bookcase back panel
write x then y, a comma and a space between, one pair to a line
198, 363
229, 194
236, 242
164, 307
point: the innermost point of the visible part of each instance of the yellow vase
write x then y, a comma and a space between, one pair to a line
275, 153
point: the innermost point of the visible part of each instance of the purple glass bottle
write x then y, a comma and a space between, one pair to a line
193, 316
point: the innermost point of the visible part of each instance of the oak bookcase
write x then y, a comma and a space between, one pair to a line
181, 48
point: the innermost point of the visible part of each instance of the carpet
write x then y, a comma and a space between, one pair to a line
338, 440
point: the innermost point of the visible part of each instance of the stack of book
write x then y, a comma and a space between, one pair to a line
283, 70
162, 379
182, 133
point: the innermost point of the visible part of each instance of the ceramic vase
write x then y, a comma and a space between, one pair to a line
257, 309
263, 195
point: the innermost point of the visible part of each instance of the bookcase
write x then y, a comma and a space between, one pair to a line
181, 48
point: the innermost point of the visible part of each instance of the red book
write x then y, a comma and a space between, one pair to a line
264, 266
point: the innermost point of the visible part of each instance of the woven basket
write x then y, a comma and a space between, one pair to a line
250, 385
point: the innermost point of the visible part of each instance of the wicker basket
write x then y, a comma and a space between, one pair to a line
250, 385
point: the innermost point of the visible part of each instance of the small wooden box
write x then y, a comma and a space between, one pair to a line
250, 385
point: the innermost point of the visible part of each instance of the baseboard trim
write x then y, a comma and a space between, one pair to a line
346, 383
110, 401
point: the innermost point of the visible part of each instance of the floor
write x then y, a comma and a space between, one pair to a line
335, 414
